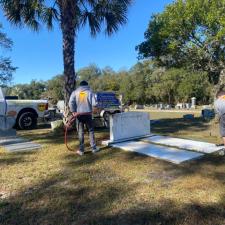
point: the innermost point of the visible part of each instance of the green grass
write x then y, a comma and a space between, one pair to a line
55, 186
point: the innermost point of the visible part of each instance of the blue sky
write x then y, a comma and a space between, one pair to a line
39, 55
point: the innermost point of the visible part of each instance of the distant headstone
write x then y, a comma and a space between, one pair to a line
139, 107
161, 106
193, 103
179, 106
168, 106
129, 125
60, 106
57, 125
187, 105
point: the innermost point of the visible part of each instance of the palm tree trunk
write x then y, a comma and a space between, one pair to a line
68, 33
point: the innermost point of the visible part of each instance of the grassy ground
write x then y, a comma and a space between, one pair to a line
54, 186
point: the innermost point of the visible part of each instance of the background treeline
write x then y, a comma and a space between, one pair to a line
144, 83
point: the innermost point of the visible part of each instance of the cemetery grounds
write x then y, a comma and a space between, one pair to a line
55, 186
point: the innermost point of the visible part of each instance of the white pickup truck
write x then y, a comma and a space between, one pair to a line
25, 112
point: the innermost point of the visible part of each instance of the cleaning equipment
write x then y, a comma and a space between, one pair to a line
69, 126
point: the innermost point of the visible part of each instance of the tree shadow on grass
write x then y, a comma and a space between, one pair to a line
86, 194
62, 200
213, 163
170, 126
46, 136
166, 213
12, 158
67, 199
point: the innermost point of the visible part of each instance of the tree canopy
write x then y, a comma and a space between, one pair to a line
6, 68
189, 34
144, 83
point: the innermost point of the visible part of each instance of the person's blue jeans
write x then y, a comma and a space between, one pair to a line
80, 122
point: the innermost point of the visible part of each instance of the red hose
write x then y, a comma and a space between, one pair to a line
68, 125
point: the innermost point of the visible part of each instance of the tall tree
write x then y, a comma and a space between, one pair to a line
88, 73
6, 68
54, 89
33, 90
188, 33
71, 15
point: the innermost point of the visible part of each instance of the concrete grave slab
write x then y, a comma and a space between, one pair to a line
173, 155
11, 140
110, 143
15, 144
198, 146
25, 146
129, 125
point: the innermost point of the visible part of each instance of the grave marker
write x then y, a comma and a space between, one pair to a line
129, 125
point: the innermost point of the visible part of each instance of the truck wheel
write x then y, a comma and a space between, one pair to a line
27, 121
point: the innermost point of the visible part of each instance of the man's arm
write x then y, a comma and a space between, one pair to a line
94, 100
72, 103
217, 107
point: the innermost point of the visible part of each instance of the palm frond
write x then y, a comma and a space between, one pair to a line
29, 12
49, 14
115, 15
111, 13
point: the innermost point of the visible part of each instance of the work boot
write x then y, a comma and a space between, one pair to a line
80, 152
95, 149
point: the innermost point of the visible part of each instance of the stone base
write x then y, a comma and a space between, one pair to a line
109, 142
173, 155
7, 133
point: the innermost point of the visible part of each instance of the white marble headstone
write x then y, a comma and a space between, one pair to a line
129, 125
